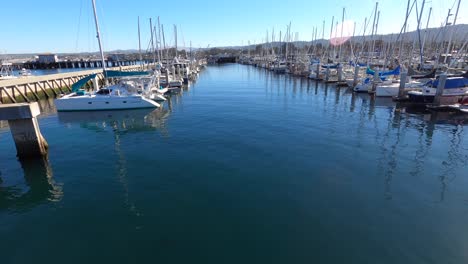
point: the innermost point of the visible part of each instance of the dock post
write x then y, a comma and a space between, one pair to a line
22, 119
340, 73
376, 80
327, 74
317, 71
440, 89
401, 89
356, 75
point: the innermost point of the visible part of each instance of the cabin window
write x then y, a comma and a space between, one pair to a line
107, 102
124, 102
90, 102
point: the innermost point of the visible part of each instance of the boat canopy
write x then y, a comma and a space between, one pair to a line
331, 66
116, 74
396, 71
452, 83
80, 83
352, 63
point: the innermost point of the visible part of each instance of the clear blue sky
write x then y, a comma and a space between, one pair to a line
32, 26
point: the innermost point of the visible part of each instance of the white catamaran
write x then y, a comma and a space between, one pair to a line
123, 95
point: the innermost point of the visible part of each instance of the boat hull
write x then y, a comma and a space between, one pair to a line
100, 103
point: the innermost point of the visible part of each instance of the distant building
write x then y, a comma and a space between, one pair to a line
47, 58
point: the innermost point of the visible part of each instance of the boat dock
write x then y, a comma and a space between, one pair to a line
34, 88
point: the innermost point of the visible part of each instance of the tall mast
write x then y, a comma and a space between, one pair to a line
419, 34
331, 31
164, 42
98, 35
139, 41
175, 37
404, 32
152, 40
341, 37
451, 33
427, 26
374, 29
159, 39
157, 47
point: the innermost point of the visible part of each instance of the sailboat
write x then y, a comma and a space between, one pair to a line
126, 94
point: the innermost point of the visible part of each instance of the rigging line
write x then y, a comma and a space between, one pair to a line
79, 26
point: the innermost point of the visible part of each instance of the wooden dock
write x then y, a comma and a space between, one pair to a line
33, 88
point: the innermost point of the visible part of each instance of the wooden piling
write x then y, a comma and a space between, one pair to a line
317, 71
401, 89
340, 73
376, 81
327, 74
440, 89
356, 75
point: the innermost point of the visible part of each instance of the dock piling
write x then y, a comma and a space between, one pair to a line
440, 89
401, 89
317, 71
22, 119
376, 81
327, 74
356, 75
340, 73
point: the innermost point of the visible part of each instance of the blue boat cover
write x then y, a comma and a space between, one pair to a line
451, 83
331, 66
80, 83
396, 71
358, 64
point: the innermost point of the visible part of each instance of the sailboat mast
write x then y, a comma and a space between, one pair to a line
419, 34
330, 38
160, 54
98, 35
152, 40
175, 36
451, 32
400, 50
427, 26
139, 41
341, 37
373, 31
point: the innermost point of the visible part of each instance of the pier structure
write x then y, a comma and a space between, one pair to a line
22, 120
76, 64
34, 88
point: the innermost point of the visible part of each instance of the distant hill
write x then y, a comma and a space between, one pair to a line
460, 35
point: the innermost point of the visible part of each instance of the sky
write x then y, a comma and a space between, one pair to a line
58, 26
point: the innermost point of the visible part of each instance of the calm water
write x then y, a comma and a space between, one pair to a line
244, 167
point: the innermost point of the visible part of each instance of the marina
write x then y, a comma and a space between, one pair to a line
349, 146
254, 166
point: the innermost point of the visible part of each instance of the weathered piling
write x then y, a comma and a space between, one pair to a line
327, 74
440, 89
22, 119
317, 72
401, 89
376, 81
356, 75
340, 73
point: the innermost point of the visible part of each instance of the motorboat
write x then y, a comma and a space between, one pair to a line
455, 90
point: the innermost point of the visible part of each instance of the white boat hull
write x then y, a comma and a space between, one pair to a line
97, 103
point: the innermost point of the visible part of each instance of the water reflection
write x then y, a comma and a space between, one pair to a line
41, 187
121, 122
